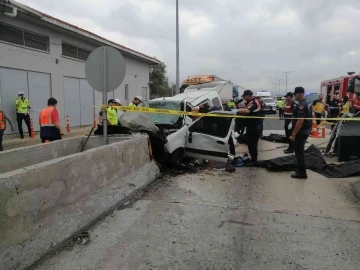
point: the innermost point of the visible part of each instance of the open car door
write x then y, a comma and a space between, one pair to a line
208, 138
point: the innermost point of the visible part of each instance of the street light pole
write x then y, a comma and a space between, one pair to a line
279, 85
177, 50
286, 73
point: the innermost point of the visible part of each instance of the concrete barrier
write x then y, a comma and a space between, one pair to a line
14, 159
355, 188
43, 205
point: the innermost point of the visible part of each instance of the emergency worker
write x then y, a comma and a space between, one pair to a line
49, 121
289, 107
136, 102
3, 119
318, 107
345, 106
230, 105
253, 125
111, 113
281, 105
262, 114
22, 105
334, 109
239, 122
301, 131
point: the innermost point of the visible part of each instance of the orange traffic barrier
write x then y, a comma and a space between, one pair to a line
94, 120
32, 135
314, 129
67, 124
323, 135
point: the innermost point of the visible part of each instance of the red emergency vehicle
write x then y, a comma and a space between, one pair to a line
342, 86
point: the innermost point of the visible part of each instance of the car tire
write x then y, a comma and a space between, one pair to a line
177, 156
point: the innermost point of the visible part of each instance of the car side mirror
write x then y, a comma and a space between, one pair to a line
190, 138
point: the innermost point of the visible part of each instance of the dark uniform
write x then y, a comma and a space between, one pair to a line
334, 110
302, 110
288, 114
253, 127
262, 114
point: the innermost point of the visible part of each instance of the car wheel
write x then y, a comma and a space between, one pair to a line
177, 156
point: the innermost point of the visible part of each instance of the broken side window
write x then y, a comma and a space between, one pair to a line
214, 126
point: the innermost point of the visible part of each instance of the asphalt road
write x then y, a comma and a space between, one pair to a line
251, 219
273, 124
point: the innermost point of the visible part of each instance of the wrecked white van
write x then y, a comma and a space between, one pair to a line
183, 102
206, 138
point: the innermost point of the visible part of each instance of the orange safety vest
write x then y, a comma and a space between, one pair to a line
45, 117
2, 121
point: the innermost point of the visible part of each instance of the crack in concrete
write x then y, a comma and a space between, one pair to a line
235, 222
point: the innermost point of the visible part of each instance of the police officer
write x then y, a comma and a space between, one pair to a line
334, 109
22, 105
253, 125
262, 114
301, 131
289, 107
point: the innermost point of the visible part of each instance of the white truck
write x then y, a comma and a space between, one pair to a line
263, 94
223, 88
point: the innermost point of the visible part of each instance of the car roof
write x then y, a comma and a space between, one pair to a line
190, 96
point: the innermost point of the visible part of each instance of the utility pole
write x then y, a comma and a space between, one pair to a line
286, 74
177, 91
279, 85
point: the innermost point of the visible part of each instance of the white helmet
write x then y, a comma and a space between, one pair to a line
21, 93
139, 98
116, 100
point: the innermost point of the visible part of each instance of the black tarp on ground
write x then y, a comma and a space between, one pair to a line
315, 162
275, 138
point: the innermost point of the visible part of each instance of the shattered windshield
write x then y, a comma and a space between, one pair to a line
164, 119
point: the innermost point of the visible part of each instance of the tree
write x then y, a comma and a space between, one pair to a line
159, 83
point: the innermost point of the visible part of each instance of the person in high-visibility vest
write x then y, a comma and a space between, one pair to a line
111, 113
49, 121
318, 107
136, 102
3, 119
22, 105
281, 104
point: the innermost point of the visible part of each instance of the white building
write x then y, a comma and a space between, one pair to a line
45, 57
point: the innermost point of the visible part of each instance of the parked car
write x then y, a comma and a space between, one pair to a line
270, 105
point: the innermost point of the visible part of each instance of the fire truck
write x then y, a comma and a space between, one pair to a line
343, 86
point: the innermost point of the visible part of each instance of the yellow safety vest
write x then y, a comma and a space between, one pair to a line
281, 104
319, 107
112, 116
345, 108
24, 104
132, 105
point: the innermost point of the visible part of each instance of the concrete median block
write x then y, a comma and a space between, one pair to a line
355, 187
44, 204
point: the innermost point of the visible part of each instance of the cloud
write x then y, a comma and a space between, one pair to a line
246, 42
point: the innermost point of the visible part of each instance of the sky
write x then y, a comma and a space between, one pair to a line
247, 42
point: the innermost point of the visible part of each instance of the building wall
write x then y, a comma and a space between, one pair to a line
27, 59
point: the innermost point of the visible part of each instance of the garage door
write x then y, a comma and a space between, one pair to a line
79, 101
86, 103
72, 100
36, 86
39, 93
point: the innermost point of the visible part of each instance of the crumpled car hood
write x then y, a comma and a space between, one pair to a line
137, 122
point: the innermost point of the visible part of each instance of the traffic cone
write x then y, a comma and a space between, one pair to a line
32, 136
314, 129
67, 124
94, 120
323, 132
